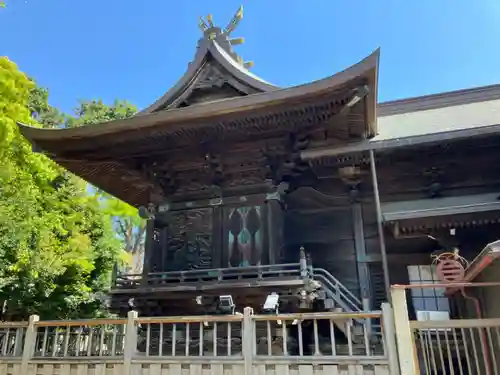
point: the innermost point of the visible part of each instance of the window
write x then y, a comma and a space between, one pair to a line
427, 299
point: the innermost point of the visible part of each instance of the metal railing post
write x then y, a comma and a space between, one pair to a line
29, 343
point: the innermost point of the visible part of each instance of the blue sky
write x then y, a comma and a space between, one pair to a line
136, 50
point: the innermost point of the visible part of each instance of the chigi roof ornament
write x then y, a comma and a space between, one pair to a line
222, 36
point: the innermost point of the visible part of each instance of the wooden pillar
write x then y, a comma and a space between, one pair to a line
219, 251
389, 332
359, 244
130, 342
248, 340
148, 251
29, 343
275, 228
404, 334
164, 249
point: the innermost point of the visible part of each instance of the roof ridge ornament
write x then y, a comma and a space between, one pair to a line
222, 36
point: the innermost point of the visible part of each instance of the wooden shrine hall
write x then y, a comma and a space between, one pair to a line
316, 193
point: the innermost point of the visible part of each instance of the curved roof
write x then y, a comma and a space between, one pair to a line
208, 113
112, 155
207, 50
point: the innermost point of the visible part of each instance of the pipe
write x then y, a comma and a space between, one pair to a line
482, 333
380, 227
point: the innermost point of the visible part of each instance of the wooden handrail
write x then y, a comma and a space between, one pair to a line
319, 315
190, 319
14, 324
217, 270
77, 323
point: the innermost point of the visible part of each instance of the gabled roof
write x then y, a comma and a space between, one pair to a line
212, 66
104, 154
219, 125
341, 87
216, 67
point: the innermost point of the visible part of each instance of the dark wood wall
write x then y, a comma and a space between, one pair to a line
340, 232
342, 236
236, 235
470, 166
329, 239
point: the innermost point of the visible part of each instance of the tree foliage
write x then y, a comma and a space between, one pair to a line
57, 246
96, 112
128, 225
46, 115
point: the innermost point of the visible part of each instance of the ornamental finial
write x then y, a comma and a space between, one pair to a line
212, 32
207, 24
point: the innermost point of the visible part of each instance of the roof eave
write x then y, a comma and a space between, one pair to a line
372, 98
177, 117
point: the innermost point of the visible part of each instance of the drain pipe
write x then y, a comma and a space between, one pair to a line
482, 333
380, 226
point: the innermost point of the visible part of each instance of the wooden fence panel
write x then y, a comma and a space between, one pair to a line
182, 368
66, 368
159, 367
322, 369
203, 345
10, 368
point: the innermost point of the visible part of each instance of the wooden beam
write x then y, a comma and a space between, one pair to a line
389, 144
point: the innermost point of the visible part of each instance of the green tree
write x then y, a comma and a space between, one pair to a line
128, 225
96, 112
57, 246
42, 111
130, 228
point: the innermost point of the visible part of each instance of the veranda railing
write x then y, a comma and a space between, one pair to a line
244, 343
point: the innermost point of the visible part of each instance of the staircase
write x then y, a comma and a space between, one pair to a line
338, 298
336, 294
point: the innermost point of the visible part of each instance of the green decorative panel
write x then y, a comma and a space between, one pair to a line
245, 236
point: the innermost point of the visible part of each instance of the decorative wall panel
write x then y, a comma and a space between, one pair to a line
245, 236
186, 243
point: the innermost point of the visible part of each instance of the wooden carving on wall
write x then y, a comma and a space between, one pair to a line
211, 77
190, 240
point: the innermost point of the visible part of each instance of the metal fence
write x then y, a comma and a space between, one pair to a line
444, 347
465, 346
252, 344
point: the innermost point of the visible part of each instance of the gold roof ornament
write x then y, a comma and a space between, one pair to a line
233, 24
208, 23
212, 32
